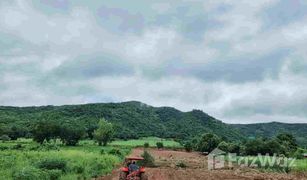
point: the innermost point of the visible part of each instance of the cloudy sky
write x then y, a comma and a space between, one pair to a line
241, 61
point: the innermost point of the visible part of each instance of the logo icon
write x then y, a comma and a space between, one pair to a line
216, 159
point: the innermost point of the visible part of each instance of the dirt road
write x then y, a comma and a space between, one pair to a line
196, 169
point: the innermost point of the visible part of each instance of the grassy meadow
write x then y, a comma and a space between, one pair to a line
150, 140
25, 159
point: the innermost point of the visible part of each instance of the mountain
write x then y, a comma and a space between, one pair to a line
131, 119
135, 119
272, 129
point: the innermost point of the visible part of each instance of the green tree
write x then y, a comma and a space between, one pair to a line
188, 146
104, 133
15, 131
71, 133
160, 145
224, 146
288, 141
208, 142
45, 130
254, 146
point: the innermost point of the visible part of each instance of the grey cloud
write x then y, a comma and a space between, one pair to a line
236, 61
58, 4
121, 20
283, 13
237, 70
86, 67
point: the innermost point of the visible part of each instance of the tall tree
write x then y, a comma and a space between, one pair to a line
104, 133
208, 142
45, 130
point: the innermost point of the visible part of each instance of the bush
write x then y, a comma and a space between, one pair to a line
47, 146
17, 147
54, 174
181, 164
299, 154
148, 161
4, 138
78, 168
159, 145
115, 152
28, 173
52, 164
2, 148
146, 145
188, 146
102, 152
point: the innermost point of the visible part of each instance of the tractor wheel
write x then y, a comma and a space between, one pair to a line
123, 175
144, 176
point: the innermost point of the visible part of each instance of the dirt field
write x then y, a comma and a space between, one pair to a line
197, 169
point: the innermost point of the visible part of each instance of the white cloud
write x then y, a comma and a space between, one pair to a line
54, 41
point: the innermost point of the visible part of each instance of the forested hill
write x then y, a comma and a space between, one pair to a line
131, 119
273, 128
135, 119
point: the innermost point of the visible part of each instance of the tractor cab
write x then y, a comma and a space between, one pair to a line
131, 169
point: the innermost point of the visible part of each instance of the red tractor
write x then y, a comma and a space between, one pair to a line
130, 173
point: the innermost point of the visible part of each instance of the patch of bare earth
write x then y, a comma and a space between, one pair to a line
197, 169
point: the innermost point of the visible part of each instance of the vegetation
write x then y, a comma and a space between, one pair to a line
181, 164
131, 120
65, 138
152, 142
282, 144
104, 133
270, 130
208, 142
159, 145
148, 161
146, 145
35, 161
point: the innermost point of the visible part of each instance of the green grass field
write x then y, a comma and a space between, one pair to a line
24, 159
150, 140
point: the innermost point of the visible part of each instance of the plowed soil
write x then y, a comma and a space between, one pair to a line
197, 169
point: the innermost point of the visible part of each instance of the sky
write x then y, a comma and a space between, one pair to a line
240, 61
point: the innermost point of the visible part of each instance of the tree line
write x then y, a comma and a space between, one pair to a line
69, 132
282, 144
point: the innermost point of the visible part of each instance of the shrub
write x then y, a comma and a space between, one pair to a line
188, 147
28, 173
52, 164
148, 161
299, 154
78, 168
4, 138
115, 151
146, 145
47, 146
181, 164
17, 147
2, 148
54, 174
159, 145
102, 151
